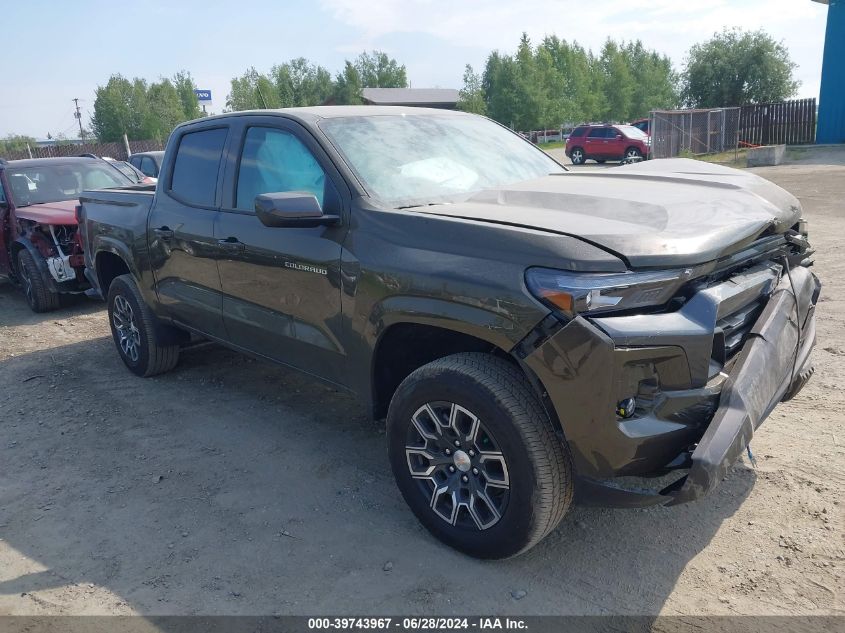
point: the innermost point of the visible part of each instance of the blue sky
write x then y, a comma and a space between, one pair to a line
58, 50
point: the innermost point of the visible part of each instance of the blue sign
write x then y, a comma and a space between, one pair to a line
203, 95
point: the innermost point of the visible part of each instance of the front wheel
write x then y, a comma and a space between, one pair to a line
135, 331
475, 456
36, 289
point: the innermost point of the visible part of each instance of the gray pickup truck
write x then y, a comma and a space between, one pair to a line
527, 331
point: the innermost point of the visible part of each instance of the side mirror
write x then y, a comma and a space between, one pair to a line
618, 137
291, 209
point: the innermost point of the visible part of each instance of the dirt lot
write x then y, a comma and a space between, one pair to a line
234, 487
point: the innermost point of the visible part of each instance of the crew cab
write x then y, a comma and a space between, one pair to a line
39, 246
526, 331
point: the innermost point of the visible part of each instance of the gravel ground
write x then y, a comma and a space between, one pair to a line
231, 486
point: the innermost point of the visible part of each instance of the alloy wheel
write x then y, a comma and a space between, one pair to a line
632, 153
129, 338
577, 157
457, 465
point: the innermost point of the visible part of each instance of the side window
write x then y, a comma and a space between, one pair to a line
2, 194
275, 161
597, 132
135, 161
578, 132
195, 168
148, 167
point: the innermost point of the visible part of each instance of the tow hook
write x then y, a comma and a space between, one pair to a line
626, 408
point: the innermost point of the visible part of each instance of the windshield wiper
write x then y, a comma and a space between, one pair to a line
422, 204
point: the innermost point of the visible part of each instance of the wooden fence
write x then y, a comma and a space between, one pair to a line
784, 123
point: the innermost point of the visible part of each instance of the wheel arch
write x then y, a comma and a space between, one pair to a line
405, 346
112, 259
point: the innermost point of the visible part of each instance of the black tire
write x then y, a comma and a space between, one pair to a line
136, 331
577, 156
633, 152
35, 288
536, 463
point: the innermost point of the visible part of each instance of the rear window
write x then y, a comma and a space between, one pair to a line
633, 132
579, 131
195, 169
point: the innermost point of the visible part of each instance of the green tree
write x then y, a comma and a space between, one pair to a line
377, 70
301, 83
348, 86
112, 109
737, 67
165, 110
502, 89
185, 86
655, 81
253, 91
15, 143
471, 96
617, 82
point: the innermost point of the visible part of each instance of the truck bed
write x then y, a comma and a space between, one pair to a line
114, 220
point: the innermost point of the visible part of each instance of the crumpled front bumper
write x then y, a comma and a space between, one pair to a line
700, 419
774, 362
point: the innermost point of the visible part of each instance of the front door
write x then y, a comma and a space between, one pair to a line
281, 285
615, 143
180, 233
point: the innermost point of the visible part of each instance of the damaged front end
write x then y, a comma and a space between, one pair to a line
57, 251
683, 389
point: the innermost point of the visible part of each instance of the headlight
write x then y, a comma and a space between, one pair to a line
580, 293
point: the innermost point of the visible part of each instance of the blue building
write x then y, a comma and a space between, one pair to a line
831, 121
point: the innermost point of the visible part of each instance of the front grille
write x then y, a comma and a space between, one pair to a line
732, 330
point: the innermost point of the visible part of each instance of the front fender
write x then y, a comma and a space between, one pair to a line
495, 326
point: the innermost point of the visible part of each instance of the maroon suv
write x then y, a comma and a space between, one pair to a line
607, 142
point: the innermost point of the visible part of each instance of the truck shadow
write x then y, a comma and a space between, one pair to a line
15, 310
231, 486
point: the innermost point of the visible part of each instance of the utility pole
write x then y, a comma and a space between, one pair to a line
78, 116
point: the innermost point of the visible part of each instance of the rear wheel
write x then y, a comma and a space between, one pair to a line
475, 456
633, 152
577, 156
136, 332
35, 287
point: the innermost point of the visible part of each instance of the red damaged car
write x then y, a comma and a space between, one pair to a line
40, 250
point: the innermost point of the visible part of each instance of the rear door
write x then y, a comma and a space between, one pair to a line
595, 143
281, 285
180, 230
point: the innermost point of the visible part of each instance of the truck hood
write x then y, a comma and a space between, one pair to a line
674, 212
56, 213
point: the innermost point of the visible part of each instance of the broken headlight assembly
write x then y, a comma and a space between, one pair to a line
571, 293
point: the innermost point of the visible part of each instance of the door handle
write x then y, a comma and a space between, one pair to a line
163, 232
231, 244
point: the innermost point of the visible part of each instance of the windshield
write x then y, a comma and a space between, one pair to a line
38, 184
128, 170
425, 159
632, 132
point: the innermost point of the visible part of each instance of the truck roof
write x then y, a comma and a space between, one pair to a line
35, 162
315, 113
